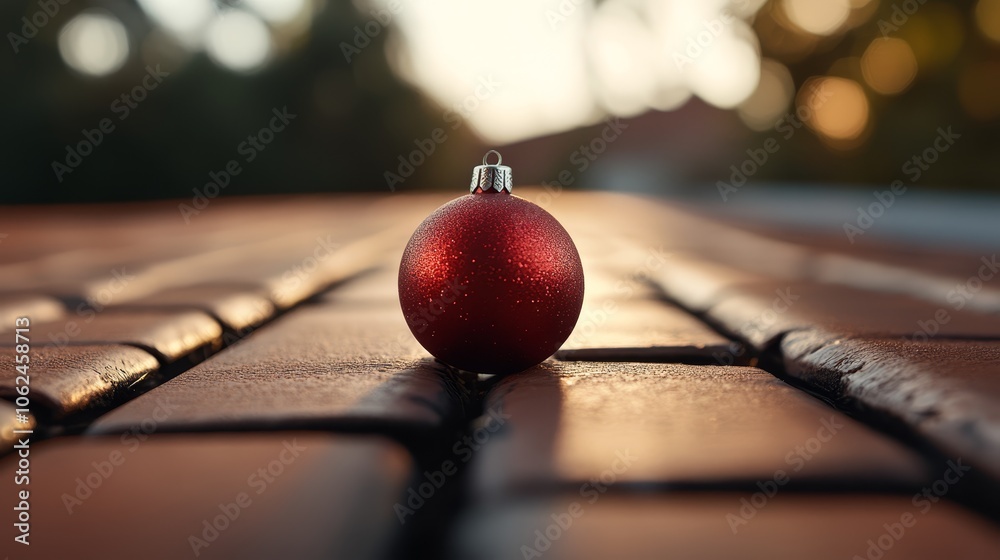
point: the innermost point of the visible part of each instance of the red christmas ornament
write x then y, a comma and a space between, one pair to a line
490, 282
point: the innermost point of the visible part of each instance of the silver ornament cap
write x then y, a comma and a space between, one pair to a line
491, 177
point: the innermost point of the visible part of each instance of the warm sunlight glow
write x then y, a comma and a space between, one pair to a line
837, 107
820, 17
889, 65
524, 68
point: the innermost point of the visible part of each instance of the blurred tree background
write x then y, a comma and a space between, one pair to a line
890, 73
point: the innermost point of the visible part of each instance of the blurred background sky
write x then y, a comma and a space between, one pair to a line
118, 99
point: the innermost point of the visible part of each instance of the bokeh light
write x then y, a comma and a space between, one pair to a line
889, 65
988, 19
637, 55
837, 109
552, 66
526, 80
94, 43
781, 38
185, 20
238, 40
726, 74
771, 98
277, 11
622, 53
820, 17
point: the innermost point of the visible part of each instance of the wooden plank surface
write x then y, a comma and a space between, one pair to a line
320, 366
700, 527
76, 379
563, 424
168, 335
287, 495
947, 390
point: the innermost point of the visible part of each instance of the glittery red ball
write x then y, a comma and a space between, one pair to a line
491, 283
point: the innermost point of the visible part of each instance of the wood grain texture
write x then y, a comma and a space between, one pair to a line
74, 379
760, 313
946, 390
169, 335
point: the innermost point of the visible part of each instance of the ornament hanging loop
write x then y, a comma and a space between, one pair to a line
486, 158
487, 178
